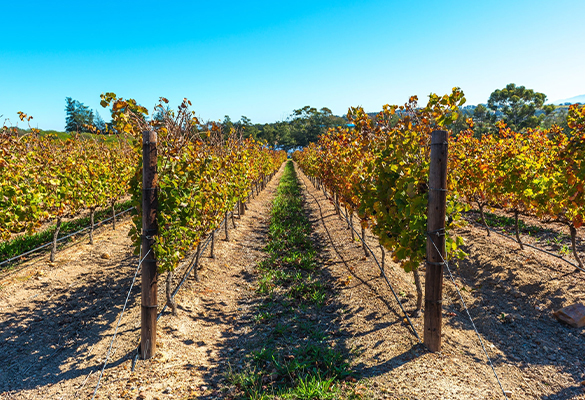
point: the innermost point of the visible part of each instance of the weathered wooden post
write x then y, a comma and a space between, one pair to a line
227, 235
149, 230
435, 240
241, 207
212, 251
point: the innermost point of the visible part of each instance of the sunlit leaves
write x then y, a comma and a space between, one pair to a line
380, 168
201, 173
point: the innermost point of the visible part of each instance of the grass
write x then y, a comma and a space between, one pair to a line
297, 359
503, 221
24, 243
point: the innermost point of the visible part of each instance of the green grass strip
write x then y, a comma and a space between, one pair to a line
297, 358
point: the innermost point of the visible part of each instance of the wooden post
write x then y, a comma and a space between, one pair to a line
364, 248
227, 235
212, 253
436, 237
55, 236
242, 208
149, 230
113, 215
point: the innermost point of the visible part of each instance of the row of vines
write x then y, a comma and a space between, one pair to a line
380, 170
45, 179
202, 175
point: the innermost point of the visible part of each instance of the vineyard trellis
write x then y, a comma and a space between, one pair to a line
384, 171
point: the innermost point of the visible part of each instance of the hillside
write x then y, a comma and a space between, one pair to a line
572, 100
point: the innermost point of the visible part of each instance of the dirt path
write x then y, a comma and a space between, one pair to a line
57, 320
510, 296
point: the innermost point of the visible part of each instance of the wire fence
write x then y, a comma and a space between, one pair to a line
531, 246
446, 264
193, 264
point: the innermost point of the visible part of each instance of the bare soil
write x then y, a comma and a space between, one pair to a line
57, 320
511, 295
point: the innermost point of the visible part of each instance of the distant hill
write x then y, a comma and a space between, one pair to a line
572, 100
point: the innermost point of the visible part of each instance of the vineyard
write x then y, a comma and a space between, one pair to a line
295, 280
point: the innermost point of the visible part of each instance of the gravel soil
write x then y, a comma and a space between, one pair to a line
57, 320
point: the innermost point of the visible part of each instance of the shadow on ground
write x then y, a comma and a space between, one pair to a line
45, 341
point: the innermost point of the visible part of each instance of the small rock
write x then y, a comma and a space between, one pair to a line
167, 390
203, 388
573, 315
142, 395
105, 256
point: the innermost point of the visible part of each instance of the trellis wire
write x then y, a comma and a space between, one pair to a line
446, 264
534, 247
381, 270
60, 239
118, 325
184, 279
193, 265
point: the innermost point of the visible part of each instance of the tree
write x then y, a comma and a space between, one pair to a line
247, 128
557, 117
161, 113
308, 123
484, 120
227, 125
78, 115
99, 123
518, 106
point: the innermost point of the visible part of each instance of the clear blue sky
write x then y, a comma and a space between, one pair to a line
264, 59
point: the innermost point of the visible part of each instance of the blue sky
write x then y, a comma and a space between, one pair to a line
264, 59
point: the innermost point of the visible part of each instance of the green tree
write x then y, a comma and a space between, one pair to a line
99, 123
484, 120
308, 123
247, 128
227, 125
518, 106
78, 116
557, 117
